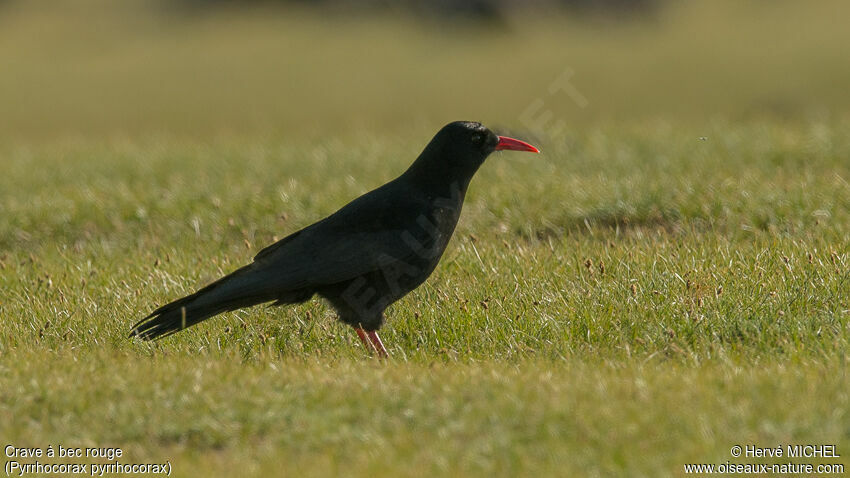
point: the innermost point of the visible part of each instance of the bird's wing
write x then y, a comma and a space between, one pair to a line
315, 257
388, 229
269, 250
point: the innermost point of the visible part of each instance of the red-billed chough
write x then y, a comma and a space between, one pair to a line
363, 257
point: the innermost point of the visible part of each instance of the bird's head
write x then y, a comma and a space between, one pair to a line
459, 149
468, 138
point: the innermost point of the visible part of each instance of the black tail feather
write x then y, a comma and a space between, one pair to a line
231, 292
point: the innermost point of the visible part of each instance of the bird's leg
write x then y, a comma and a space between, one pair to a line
362, 334
376, 341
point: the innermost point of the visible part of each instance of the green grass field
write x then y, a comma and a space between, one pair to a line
670, 278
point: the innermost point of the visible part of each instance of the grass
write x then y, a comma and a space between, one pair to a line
331, 416
653, 289
668, 299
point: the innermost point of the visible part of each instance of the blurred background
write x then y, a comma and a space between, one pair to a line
202, 68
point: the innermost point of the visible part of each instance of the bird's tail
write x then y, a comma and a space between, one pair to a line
233, 291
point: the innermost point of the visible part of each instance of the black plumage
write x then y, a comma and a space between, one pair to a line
362, 258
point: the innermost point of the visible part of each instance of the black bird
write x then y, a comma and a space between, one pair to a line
363, 257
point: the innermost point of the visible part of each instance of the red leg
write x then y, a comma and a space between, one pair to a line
362, 334
374, 343
379, 346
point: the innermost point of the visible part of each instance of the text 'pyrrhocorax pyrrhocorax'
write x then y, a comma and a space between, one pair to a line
361, 258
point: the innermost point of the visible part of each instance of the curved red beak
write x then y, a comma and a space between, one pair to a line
515, 145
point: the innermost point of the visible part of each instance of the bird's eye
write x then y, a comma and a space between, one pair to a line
476, 138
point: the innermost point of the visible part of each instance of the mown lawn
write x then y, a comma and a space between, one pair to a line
670, 278
633, 299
